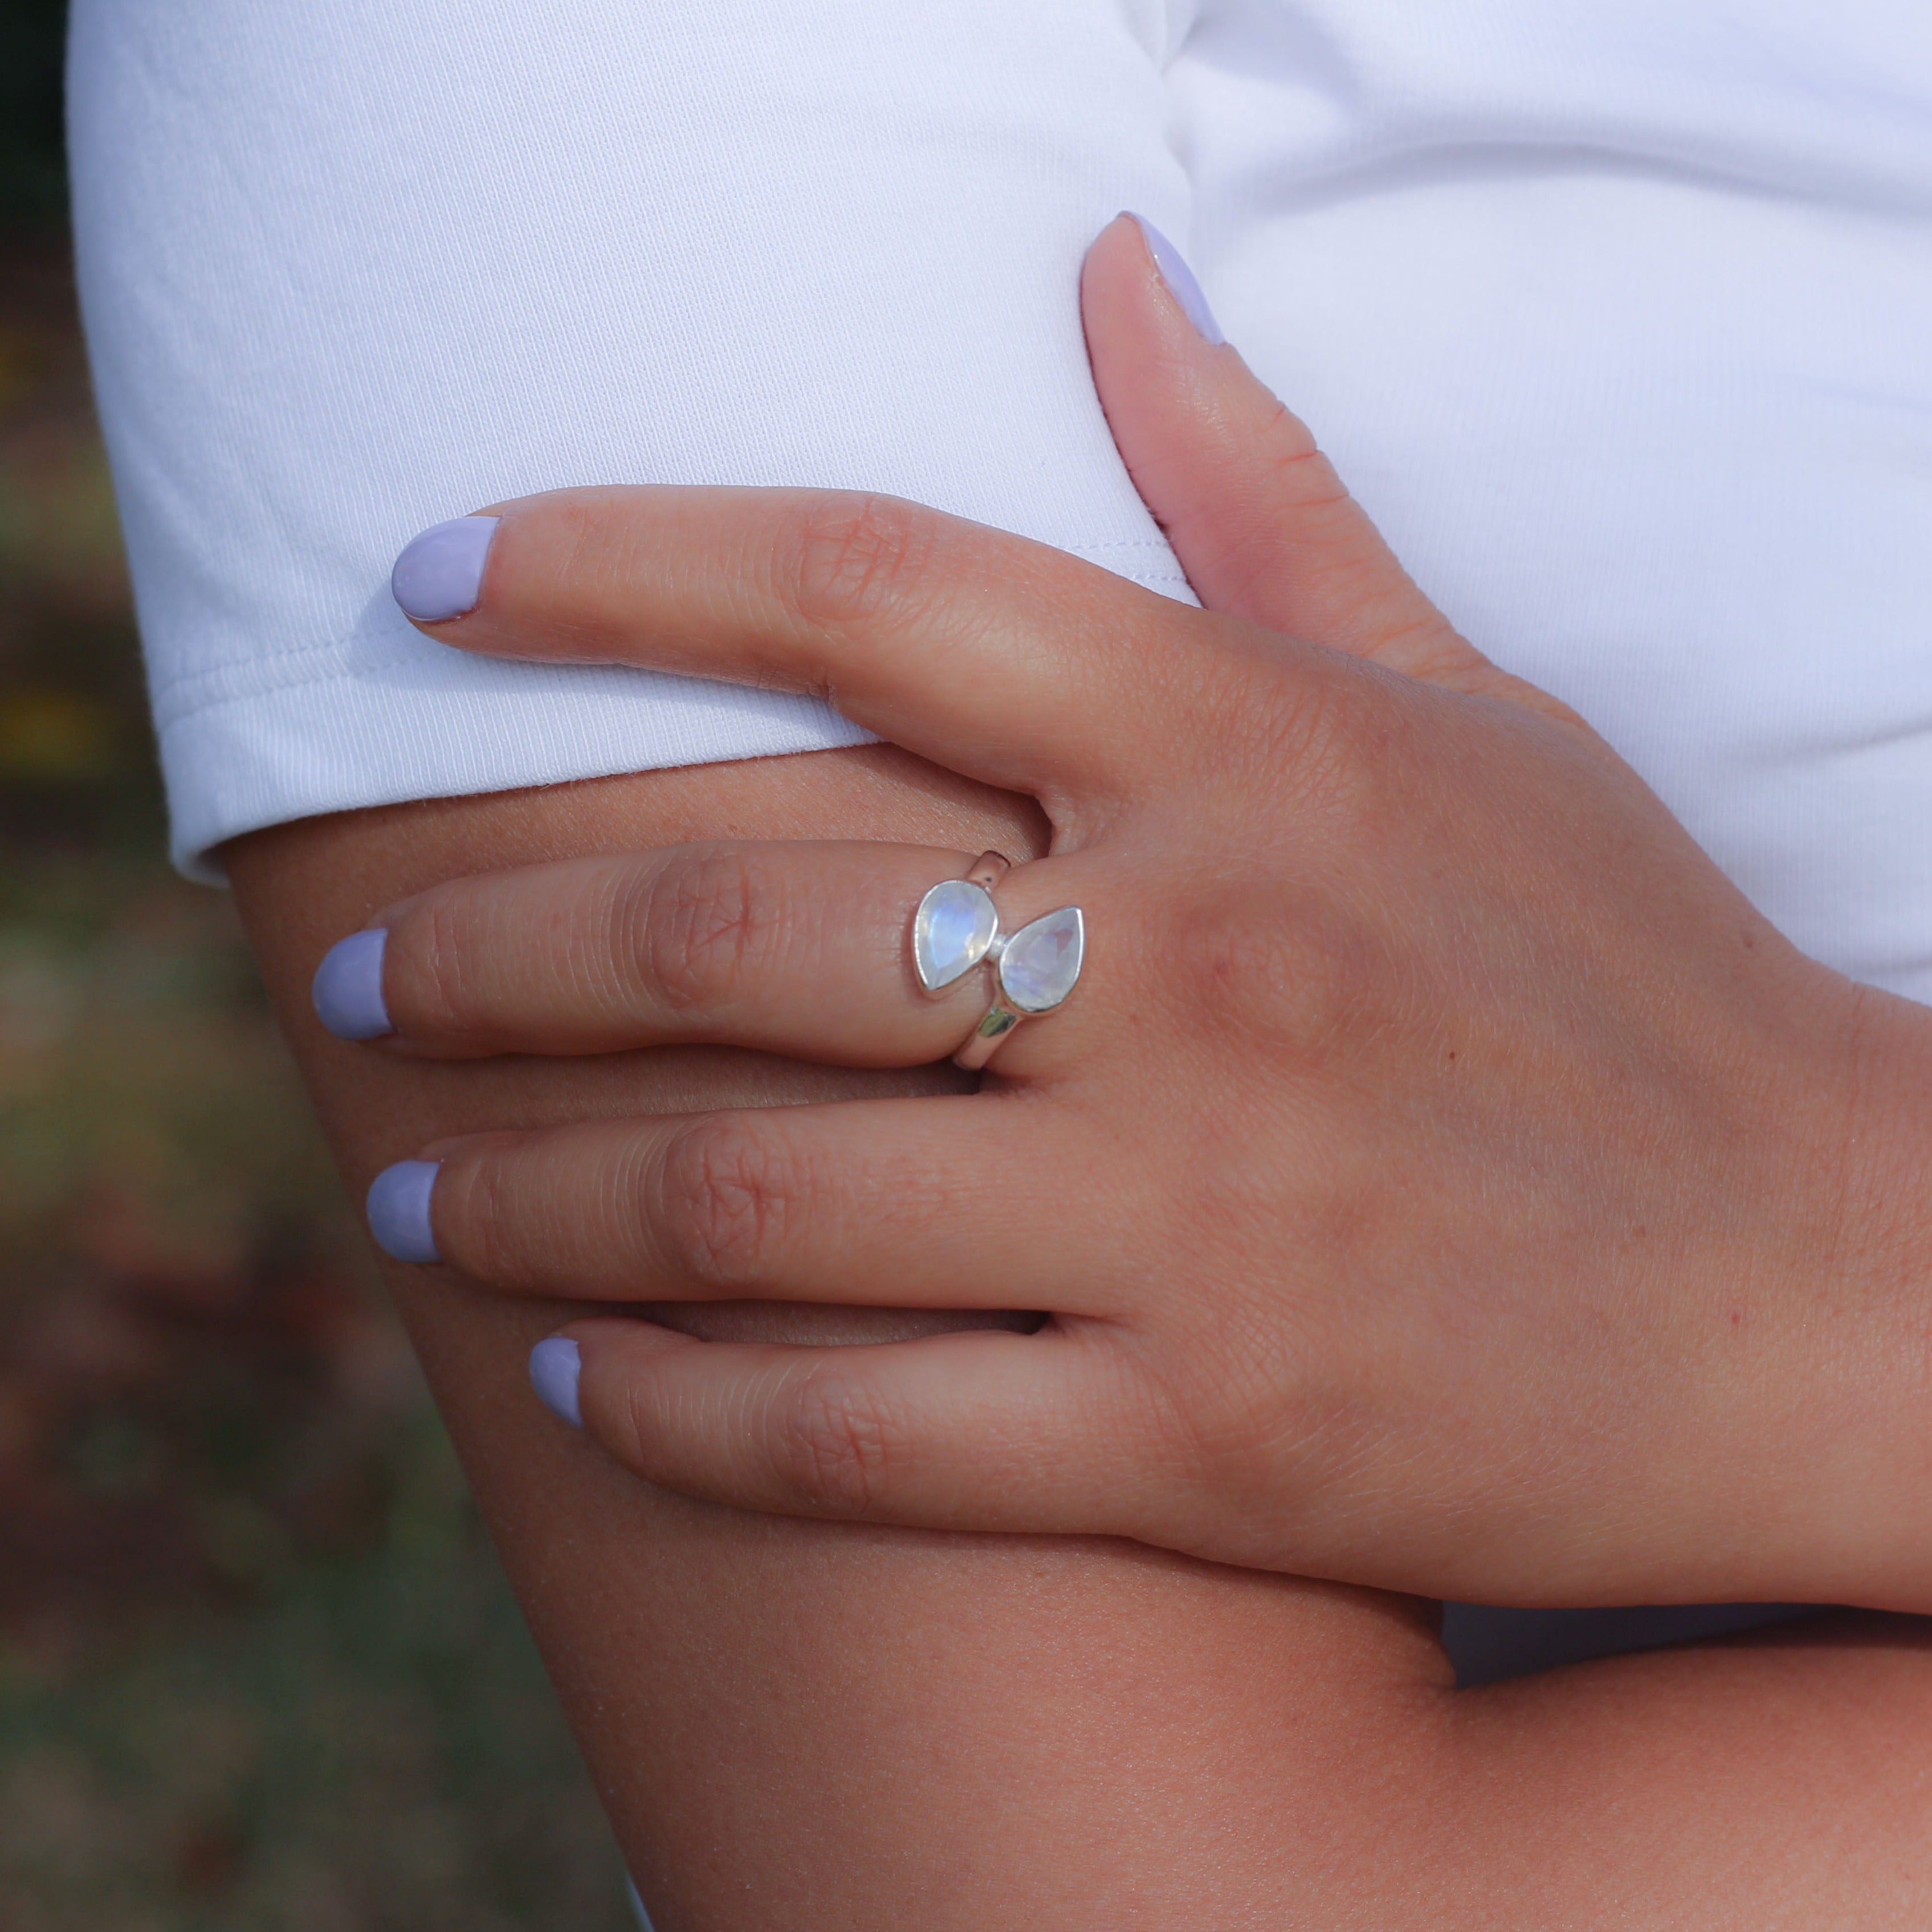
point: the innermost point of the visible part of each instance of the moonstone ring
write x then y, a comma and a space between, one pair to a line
957, 926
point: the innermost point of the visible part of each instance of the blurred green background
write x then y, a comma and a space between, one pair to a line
258, 1668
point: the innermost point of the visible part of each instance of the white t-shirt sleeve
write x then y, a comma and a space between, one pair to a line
351, 267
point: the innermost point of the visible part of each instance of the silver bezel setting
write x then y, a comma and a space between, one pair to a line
988, 945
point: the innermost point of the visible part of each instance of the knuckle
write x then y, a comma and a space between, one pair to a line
1313, 739
1213, 1416
1284, 967
837, 1442
1266, 1372
433, 954
631, 1433
1301, 475
478, 1225
1310, 728
1422, 644
856, 556
1251, 716
705, 926
729, 1198
1275, 1408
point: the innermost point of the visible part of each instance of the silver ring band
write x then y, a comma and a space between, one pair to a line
983, 1041
988, 870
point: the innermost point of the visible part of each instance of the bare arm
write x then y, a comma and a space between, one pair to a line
808, 1724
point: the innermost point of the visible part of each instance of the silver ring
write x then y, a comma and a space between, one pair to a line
957, 928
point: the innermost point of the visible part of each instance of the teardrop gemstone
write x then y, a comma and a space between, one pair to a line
955, 924
1041, 960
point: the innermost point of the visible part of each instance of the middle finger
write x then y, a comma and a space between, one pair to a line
950, 1202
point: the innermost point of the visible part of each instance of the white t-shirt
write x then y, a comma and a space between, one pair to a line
1617, 316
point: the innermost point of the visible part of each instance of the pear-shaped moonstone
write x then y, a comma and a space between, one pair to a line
951, 931
1041, 960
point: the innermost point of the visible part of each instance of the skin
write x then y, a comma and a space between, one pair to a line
815, 1724
821, 1725
1439, 1180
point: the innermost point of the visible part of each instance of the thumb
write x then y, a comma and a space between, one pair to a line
1256, 514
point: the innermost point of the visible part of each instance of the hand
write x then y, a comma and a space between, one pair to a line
1442, 1177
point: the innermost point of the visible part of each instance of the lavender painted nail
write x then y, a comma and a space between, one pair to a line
556, 1363
399, 1211
439, 574
348, 987
1181, 283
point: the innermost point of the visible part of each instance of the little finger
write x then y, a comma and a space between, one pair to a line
985, 1431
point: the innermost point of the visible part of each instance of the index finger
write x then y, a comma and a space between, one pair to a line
1009, 661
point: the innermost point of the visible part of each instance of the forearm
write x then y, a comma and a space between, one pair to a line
791, 1722
809, 1724
1774, 1781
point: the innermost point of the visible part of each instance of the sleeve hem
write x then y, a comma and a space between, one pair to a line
348, 743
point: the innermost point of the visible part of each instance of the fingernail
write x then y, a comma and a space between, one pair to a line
556, 1363
348, 988
1180, 284
439, 574
399, 1210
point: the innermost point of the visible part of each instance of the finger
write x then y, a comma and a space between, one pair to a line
786, 946
950, 1202
1256, 514
795, 947
967, 645
982, 1431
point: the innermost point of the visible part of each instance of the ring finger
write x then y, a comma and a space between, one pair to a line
805, 948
